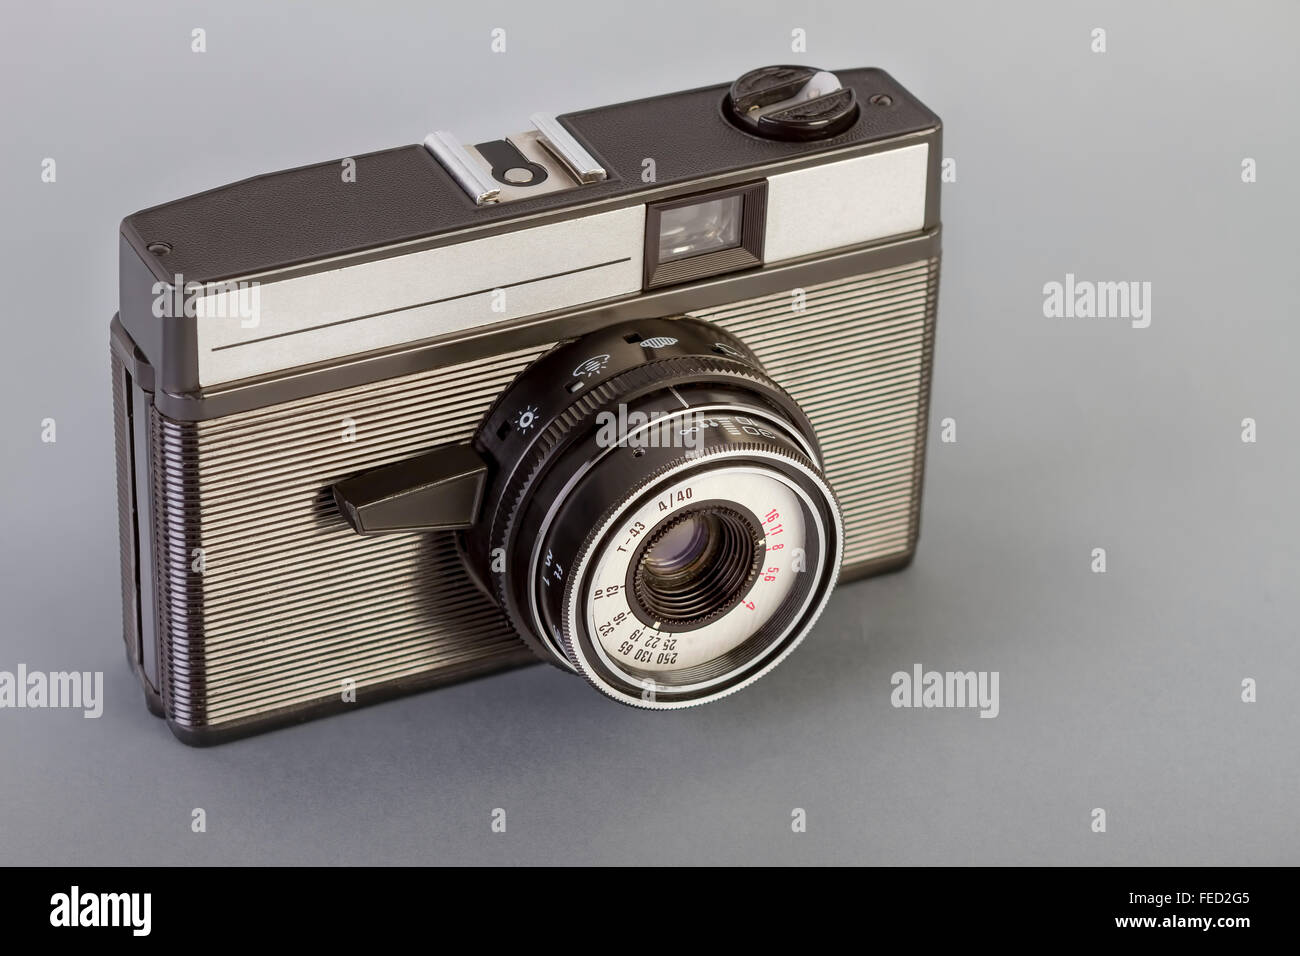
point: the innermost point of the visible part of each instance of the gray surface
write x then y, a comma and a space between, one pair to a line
1118, 691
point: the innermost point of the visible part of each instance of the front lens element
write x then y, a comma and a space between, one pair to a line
676, 551
696, 567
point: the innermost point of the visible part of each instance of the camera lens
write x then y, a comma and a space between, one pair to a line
676, 553
696, 567
663, 529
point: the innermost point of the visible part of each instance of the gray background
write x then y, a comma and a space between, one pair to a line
1119, 690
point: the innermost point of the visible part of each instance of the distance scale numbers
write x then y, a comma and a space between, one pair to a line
624, 637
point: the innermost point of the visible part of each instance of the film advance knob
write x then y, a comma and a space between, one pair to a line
791, 103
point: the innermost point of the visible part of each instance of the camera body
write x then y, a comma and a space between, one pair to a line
629, 392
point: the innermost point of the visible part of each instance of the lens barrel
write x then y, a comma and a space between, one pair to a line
656, 517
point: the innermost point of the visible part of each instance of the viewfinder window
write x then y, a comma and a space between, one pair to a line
704, 227
707, 234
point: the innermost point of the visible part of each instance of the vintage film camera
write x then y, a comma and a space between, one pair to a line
629, 392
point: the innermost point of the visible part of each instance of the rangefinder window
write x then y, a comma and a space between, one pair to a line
705, 235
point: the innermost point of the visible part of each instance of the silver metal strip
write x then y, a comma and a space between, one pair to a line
454, 158
568, 150
388, 302
846, 203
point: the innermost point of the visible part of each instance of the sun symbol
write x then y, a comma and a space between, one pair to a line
527, 418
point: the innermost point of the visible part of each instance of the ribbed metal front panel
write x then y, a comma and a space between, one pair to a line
267, 601
857, 358
284, 602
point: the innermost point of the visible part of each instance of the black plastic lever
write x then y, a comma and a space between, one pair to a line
440, 490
